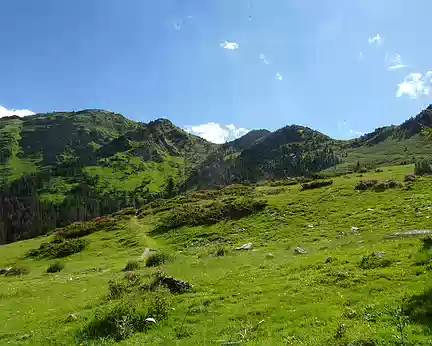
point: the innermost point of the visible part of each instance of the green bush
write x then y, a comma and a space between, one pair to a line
81, 229
374, 260
58, 250
423, 167
316, 184
131, 265
221, 251
16, 271
55, 267
365, 184
122, 286
116, 322
195, 215
156, 259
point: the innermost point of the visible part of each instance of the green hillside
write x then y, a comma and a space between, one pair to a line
61, 167
325, 266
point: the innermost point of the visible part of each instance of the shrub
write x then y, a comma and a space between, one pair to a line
374, 260
316, 184
57, 250
16, 271
422, 167
131, 265
121, 286
284, 182
81, 229
55, 267
365, 184
156, 259
380, 187
117, 322
221, 251
195, 215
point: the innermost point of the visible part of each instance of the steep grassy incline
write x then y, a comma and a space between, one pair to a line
326, 266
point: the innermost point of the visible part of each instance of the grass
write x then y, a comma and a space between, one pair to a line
244, 297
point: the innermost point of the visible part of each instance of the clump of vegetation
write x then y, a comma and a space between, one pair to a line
316, 184
126, 212
374, 260
124, 285
377, 186
212, 213
55, 267
16, 271
423, 167
424, 256
284, 182
116, 322
57, 249
221, 251
157, 259
81, 229
131, 266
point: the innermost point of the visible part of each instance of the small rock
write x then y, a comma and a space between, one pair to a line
71, 318
378, 254
354, 229
174, 285
311, 226
247, 246
270, 255
300, 251
4, 271
254, 250
369, 209
150, 320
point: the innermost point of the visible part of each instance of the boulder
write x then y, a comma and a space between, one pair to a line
150, 320
175, 285
4, 271
300, 251
247, 246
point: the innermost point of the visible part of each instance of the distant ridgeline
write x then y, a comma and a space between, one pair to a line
61, 167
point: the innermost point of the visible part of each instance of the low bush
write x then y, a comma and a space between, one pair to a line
316, 184
195, 215
221, 251
423, 167
284, 182
58, 250
377, 186
16, 271
365, 184
374, 260
131, 265
116, 322
124, 285
157, 259
81, 229
55, 267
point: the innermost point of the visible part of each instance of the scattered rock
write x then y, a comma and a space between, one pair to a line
300, 251
378, 254
369, 209
150, 320
147, 252
354, 229
247, 246
411, 233
270, 255
329, 260
174, 285
311, 226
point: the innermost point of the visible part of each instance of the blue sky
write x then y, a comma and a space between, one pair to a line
220, 67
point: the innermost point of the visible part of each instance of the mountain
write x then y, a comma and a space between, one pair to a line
60, 167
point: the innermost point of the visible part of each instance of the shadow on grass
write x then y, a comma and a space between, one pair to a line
419, 308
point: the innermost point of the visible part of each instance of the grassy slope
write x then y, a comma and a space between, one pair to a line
301, 299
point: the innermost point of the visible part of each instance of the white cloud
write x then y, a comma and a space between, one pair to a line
264, 59
217, 133
394, 63
357, 133
377, 39
178, 25
229, 45
279, 76
361, 56
415, 85
4, 112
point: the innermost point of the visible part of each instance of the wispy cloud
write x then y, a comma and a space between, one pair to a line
361, 56
217, 133
394, 63
4, 112
279, 76
377, 39
229, 45
356, 133
177, 25
415, 85
264, 59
